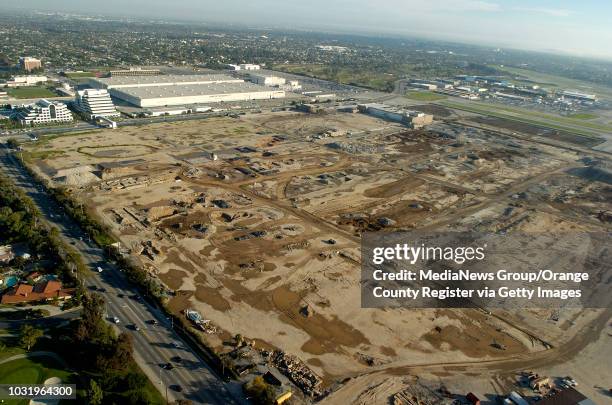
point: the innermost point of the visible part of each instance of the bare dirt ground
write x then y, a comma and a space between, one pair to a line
264, 240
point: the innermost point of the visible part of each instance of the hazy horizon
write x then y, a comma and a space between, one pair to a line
562, 26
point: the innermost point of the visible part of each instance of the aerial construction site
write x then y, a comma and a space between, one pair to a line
254, 222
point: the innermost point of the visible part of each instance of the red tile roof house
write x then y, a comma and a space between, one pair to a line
44, 291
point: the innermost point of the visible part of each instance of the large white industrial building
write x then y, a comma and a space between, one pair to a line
579, 96
123, 82
194, 94
414, 119
243, 66
168, 90
21, 81
267, 80
95, 103
43, 112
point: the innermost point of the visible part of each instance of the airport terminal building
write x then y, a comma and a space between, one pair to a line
169, 90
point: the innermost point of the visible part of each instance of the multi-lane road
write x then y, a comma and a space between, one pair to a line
155, 345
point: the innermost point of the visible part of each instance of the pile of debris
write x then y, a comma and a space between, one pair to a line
297, 371
605, 216
356, 148
417, 394
254, 234
296, 246
149, 249
193, 172
204, 324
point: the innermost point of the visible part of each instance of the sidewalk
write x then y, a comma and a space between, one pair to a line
52, 309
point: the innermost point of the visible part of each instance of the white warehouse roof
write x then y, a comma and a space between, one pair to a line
185, 90
182, 94
163, 80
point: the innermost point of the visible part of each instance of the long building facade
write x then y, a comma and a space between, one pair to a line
172, 90
21, 81
95, 103
43, 112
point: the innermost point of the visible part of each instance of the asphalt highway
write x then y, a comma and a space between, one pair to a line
155, 345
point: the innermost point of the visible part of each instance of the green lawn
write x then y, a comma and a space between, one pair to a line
74, 75
582, 116
31, 371
530, 117
11, 348
551, 80
31, 92
43, 154
424, 96
344, 75
151, 387
569, 120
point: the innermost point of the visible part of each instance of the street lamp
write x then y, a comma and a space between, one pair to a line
162, 384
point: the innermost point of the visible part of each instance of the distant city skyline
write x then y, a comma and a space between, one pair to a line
560, 26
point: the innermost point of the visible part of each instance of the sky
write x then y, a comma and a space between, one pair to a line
578, 27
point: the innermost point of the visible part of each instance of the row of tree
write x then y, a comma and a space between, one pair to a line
107, 358
79, 213
21, 221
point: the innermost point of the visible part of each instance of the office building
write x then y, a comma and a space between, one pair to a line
28, 63
43, 112
95, 103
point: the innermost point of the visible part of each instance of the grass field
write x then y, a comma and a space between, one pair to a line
494, 111
583, 116
74, 75
549, 80
31, 92
11, 348
538, 114
424, 96
363, 78
31, 371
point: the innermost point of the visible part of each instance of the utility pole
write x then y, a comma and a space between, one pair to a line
161, 383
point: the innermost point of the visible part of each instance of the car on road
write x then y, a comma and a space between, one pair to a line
121, 295
116, 320
102, 289
176, 345
134, 327
570, 381
152, 322
167, 366
100, 270
92, 287
176, 387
